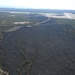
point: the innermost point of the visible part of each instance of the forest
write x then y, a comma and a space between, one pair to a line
39, 46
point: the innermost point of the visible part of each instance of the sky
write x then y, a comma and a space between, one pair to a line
39, 4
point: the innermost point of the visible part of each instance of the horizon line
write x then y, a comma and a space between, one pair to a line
34, 8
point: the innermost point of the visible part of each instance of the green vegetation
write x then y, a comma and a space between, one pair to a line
66, 22
41, 49
7, 22
7, 19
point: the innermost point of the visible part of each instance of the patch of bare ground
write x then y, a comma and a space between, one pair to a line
20, 12
56, 15
21, 23
2, 72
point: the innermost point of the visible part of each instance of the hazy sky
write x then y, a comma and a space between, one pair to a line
49, 4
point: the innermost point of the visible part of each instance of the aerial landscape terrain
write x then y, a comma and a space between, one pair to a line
37, 42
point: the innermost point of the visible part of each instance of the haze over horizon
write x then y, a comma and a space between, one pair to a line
39, 4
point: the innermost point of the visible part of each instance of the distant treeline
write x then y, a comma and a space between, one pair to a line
37, 10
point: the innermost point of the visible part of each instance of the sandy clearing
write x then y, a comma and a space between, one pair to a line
11, 15
68, 15
19, 12
21, 22
29, 26
55, 15
52, 15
